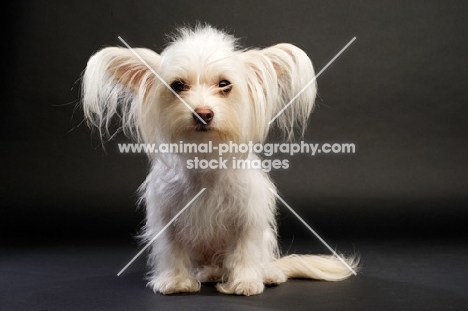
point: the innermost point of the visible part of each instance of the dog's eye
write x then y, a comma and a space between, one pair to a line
224, 83
225, 86
179, 86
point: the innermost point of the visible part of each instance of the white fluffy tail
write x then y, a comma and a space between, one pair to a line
318, 267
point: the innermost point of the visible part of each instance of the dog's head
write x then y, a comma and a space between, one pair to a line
202, 87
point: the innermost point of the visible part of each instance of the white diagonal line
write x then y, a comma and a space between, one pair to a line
160, 232
161, 79
315, 233
311, 81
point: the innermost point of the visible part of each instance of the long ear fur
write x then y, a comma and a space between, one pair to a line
116, 83
275, 76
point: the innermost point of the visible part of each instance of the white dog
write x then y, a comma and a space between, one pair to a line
220, 93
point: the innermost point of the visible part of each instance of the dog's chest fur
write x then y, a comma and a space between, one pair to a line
213, 222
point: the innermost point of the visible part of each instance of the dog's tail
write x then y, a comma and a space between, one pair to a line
318, 267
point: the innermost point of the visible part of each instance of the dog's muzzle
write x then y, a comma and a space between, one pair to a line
206, 115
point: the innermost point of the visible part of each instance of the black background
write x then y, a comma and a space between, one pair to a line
398, 93
68, 207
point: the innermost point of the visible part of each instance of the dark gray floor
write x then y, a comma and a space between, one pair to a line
396, 275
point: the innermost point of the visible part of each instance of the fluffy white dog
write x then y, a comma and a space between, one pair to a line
213, 91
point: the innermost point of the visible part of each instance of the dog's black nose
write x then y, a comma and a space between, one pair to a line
205, 114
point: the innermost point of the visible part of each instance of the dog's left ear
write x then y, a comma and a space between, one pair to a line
275, 76
116, 83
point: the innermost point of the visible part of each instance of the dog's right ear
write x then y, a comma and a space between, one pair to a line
117, 82
275, 76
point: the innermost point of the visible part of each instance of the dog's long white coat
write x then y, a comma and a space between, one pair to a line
229, 234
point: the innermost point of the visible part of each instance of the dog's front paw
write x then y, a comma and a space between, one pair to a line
172, 285
246, 288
